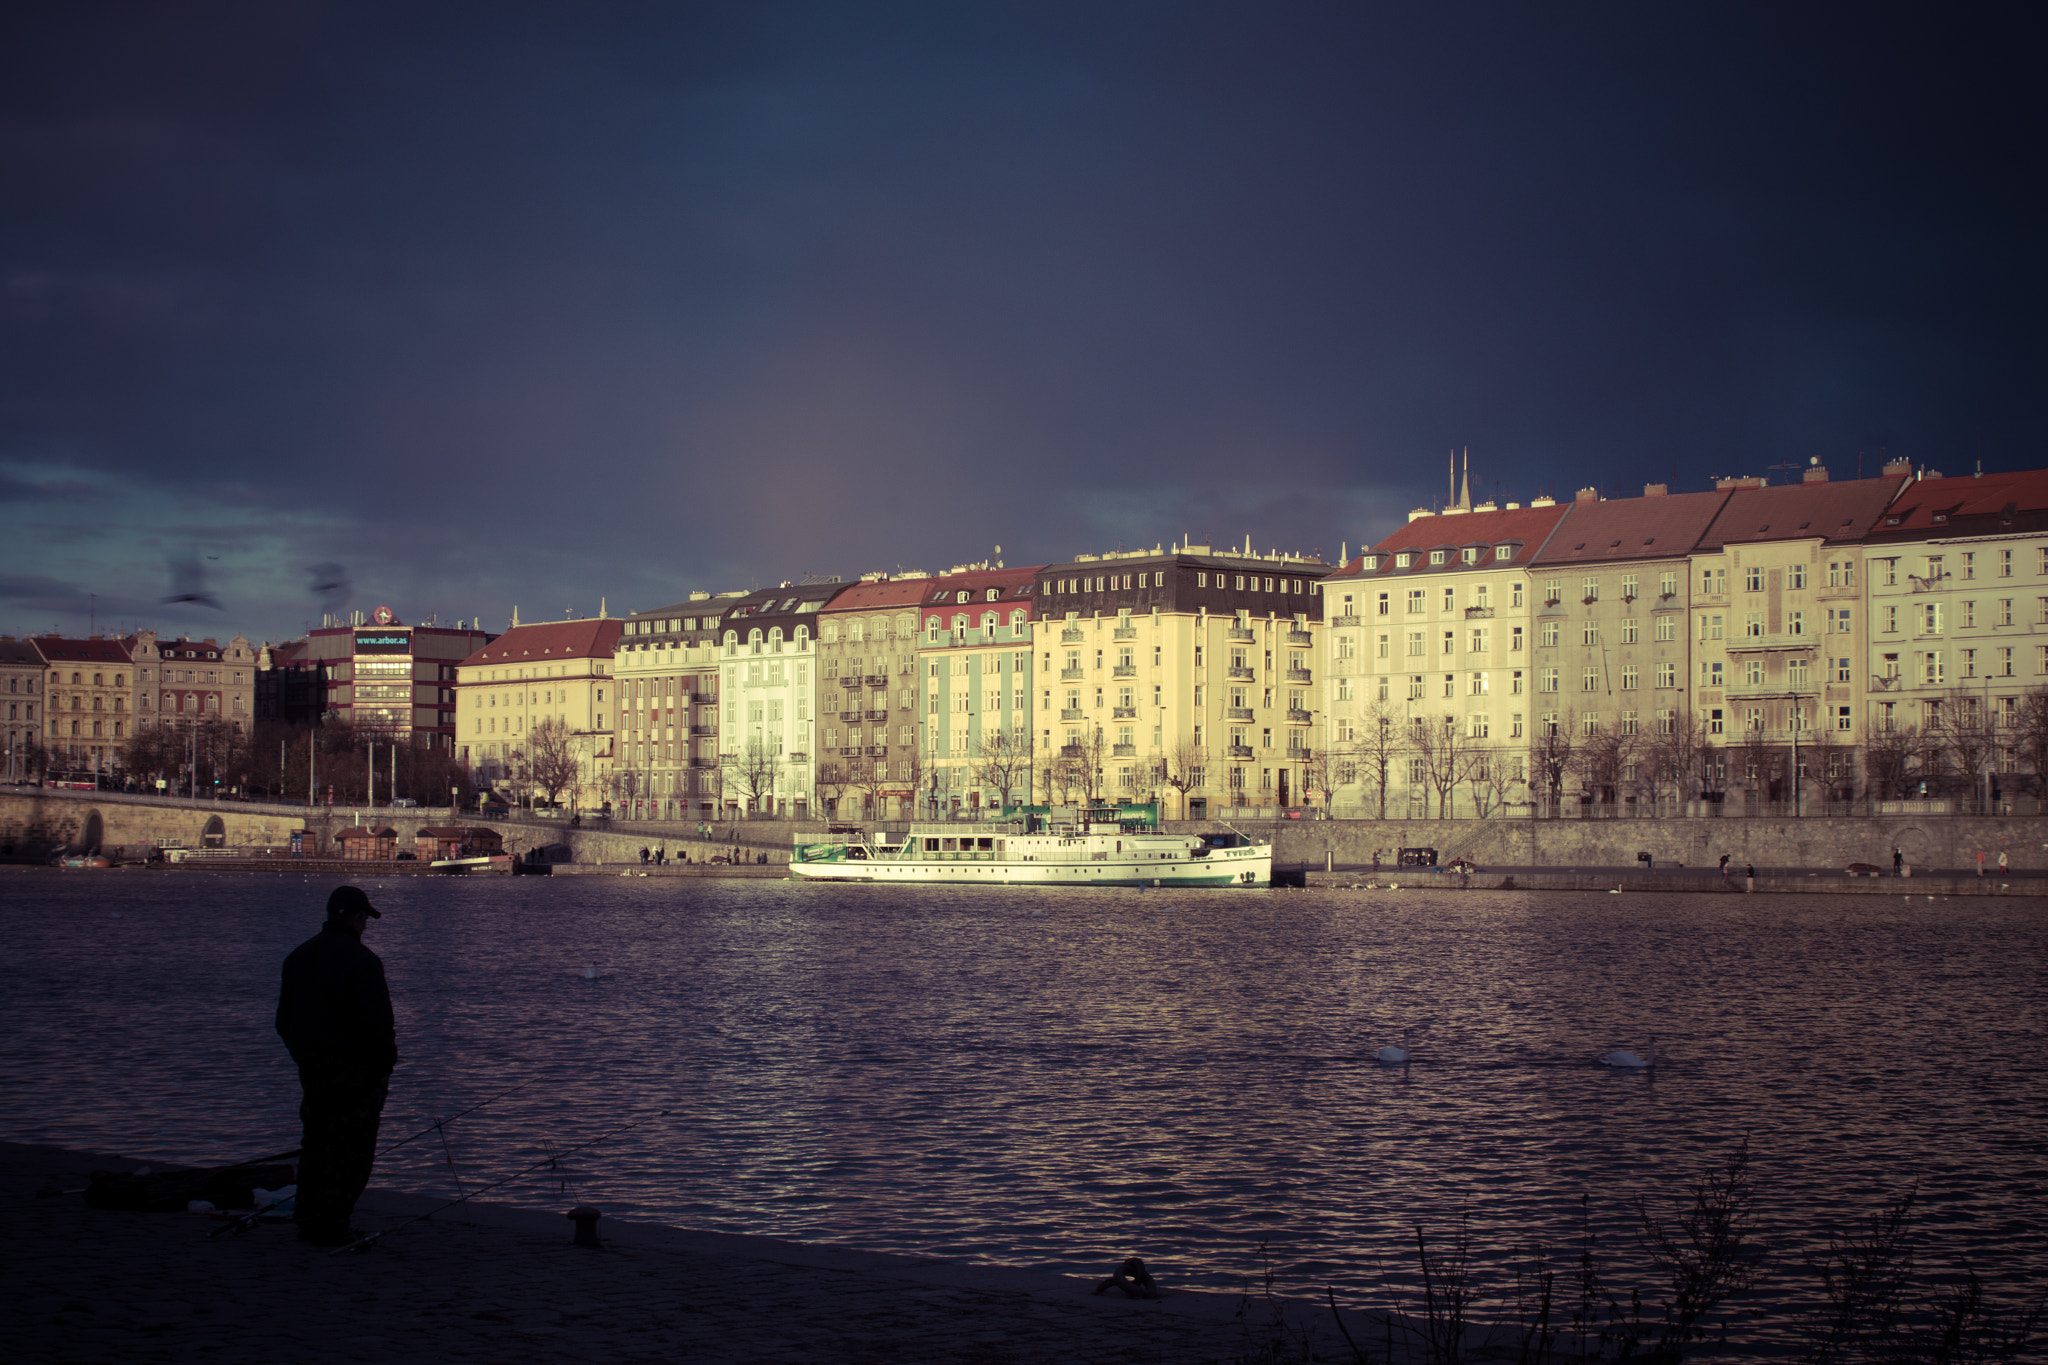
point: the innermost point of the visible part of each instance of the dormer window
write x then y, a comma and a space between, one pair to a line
1436, 556
994, 593
963, 596
1404, 559
1469, 555
1503, 552
1369, 563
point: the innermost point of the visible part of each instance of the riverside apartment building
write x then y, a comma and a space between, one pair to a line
1184, 674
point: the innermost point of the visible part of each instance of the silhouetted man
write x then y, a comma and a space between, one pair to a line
334, 1013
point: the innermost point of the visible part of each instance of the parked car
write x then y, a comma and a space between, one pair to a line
494, 810
405, 803
549, 812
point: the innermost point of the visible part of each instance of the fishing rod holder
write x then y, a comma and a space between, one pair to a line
585, 1218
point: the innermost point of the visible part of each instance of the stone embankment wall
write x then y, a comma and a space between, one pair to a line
1948, 841
36, 822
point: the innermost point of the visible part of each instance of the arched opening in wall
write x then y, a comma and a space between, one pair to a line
92, 833
215, 834
1915, 848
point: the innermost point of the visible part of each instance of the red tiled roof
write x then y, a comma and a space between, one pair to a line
1633, 528
591, 638
56, 649
869, 595
1835, 512
1526, 528
1930, 506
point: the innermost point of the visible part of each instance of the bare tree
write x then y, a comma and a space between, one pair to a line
751, 771
1186, 769
1380, 742
1317, 770
551, 759
515, 779
1963, 729
1002, 763
1445, 759
1495, 772
831, 783
1607, 757
1892, 757
1553, 755
2030, 737
1678, 753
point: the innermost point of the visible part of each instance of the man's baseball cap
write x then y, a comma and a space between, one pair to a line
350, 900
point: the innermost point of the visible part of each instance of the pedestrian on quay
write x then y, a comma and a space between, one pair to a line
1724, 867
2001, 862
1750, 876
1898, 860
1980, 862
334, 1014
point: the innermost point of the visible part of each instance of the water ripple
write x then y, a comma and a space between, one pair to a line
1187, 1074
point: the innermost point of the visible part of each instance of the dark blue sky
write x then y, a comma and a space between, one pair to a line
506, 305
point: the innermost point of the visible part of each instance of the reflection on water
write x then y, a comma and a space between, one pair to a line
1184, 1075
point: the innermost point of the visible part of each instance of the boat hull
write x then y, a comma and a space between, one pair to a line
1123, 862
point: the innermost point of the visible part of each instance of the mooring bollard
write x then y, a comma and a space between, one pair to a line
585, 1218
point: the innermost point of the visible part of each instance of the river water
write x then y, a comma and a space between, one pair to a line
1059, 1079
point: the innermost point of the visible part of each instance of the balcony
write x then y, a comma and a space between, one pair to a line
1300, 755
1750, 644
703, 729
1349, 618
878, 751
797, 756
700, 761
1073, 751
1071, 635
1124, 671
1238, 712
850, 752
1123, 751
853, 681
1241, 633
1071, 713
879, 681
1300, 637
1479, 613
849, 717
1297, 716
1241, 671
1124, 713
1300, 675
1124, 633
873, 716
1070, 674
1238, 750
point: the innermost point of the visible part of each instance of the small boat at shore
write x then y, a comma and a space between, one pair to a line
1055, 846
483, 865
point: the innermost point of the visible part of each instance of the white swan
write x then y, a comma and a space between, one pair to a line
1394, 1056
590, 973
1629, 1060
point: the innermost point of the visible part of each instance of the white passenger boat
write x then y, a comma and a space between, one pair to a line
1062, 846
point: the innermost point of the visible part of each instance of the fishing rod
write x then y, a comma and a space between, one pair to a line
362, 1242
248, 1220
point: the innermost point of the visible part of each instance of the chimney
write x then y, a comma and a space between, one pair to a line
1740, 481
1815, 475
1589, 495
1656, 490
1898, 469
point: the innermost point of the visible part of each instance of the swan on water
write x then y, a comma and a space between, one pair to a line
590, 973
1394, 1056
1629, 1060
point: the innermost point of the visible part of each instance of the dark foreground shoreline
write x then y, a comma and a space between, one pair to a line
494, 1283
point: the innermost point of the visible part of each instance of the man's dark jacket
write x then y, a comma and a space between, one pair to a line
335, 1006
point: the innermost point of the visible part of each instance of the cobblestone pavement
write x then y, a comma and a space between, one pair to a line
80, 1285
